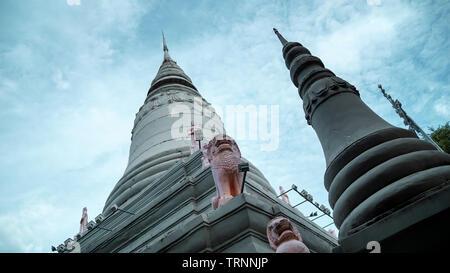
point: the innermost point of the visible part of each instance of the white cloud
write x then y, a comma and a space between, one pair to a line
373, 2
28, 227
73, 2
442, 107
22, 56
58, 79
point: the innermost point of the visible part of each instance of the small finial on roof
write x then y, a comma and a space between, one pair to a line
282, 40
164, 42
166, 50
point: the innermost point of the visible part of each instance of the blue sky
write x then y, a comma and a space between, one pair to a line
72, 78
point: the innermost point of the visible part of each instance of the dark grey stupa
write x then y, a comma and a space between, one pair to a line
163, 201
384, 183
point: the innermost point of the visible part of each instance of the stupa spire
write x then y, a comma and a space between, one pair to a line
282, 40
169, 72
377, 175
166, 50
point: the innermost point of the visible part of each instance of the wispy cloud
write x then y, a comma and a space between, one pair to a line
442, 107
73, 2
25, 228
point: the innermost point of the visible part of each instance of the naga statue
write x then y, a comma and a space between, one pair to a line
223, 155
284, 237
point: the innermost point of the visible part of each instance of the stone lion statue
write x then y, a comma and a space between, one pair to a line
284, 237
223, 155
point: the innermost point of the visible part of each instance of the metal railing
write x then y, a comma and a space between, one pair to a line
308, 198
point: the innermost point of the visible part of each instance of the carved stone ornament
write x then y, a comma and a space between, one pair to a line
315, 96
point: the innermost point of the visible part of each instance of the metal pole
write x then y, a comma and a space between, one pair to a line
243, 182
300, 203
284, 193
243, 167
407, 120
328, 225
318, 217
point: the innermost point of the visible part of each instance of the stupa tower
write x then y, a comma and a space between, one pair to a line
154, 146
385, 185
163, 202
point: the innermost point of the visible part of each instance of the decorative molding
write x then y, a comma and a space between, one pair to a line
61, 248
314, 97
91, 225
99, 218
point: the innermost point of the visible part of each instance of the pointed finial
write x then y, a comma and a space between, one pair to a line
164, 42
282, 40
166, 50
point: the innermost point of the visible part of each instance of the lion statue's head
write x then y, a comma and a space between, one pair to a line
280, 230
284, 237
222, 152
